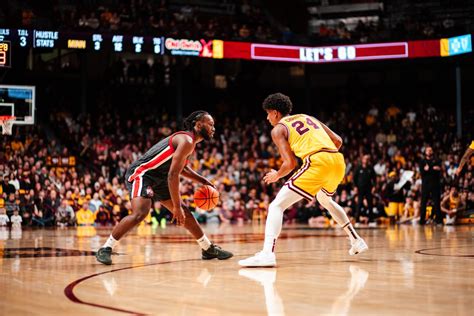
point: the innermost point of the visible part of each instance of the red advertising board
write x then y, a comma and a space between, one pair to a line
324, 54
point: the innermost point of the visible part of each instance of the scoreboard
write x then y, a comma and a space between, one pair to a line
44, 39
217, 49
5, 54
20, 37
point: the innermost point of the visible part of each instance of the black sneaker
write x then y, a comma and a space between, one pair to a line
103, 255
216, 252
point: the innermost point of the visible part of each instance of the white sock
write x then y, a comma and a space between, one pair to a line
282, 201
337, 212
111, 242
269, 243
350, 231
204, 242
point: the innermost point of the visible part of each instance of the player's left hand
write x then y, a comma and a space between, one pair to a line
178, 216
271, 177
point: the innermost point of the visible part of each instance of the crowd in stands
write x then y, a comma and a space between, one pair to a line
369, 32
77, 177
230, 20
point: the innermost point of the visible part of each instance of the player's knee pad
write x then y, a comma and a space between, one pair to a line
323, 199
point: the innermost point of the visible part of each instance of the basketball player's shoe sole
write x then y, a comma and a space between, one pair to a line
261, 259
358, 246
103, 255
216, 252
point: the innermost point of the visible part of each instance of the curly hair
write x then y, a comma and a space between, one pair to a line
191, 120
279, 102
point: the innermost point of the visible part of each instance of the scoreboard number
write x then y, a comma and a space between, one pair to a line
5, 48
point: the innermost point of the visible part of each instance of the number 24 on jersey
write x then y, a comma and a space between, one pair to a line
301, 128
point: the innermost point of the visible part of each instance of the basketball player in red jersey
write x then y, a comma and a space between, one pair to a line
155, 176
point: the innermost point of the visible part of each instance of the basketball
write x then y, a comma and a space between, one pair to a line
206, 197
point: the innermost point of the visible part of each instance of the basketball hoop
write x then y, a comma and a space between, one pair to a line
7, 124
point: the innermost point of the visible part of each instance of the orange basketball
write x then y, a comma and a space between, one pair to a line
206, 197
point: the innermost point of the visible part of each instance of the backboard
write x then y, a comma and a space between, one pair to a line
18, 101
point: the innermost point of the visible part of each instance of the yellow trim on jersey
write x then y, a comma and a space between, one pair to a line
472, 145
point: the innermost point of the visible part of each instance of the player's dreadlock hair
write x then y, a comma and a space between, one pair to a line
192, 119
279, 102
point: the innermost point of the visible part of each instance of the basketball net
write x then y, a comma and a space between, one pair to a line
7, 124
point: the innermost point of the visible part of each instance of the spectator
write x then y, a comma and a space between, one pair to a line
430, 169
65, 214
212, 216
14, 181
16, 220
364, 179
411, 211
3, 217
95, 203
42, 216
453, 206
52, 202
392, 112
7, 187
84, 216
395, 196
102, 216
11, 205
239, 213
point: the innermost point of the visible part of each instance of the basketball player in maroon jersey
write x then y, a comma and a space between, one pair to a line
155, 177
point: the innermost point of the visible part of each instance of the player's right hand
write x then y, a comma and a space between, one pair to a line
271, 176
178, 216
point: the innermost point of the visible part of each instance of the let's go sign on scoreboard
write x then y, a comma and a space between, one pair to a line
329, 54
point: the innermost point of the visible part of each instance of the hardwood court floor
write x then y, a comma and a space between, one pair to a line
408, 270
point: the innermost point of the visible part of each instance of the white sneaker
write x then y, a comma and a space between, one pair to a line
450, 220
358, 246
261, 259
